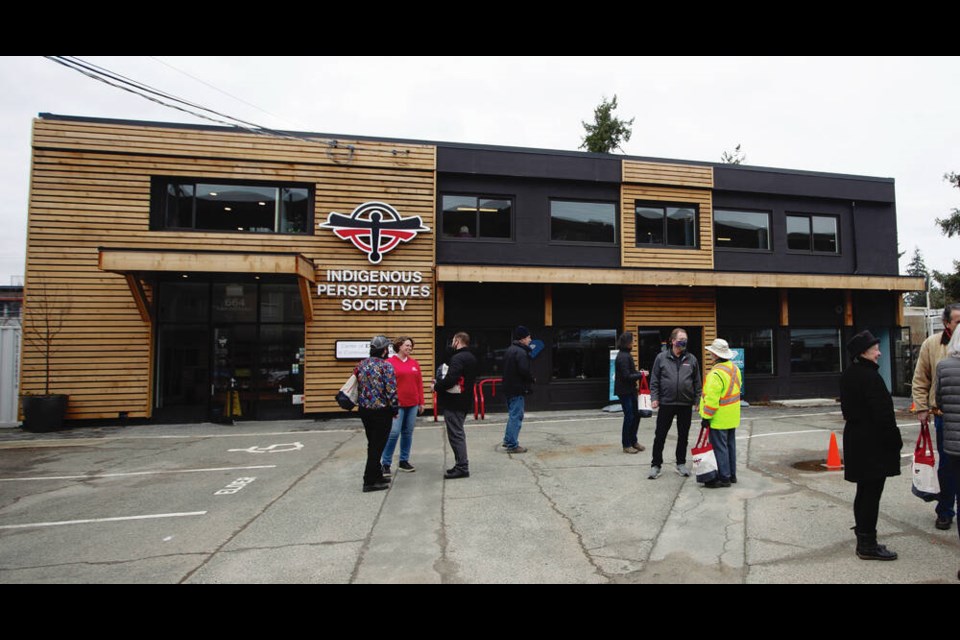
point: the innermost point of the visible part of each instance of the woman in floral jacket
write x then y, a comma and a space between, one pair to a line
377, 405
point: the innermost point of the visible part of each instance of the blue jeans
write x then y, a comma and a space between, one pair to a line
631, 420
724, 443
948, 480
401, 429
515, 406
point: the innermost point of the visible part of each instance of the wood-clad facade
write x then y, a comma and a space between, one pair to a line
90, 197
506, 236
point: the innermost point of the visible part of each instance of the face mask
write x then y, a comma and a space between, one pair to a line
681, 344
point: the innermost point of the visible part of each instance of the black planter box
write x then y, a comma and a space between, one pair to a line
44, 413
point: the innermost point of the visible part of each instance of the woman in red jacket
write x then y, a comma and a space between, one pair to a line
410, 395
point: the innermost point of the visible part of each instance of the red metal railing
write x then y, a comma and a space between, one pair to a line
479, 399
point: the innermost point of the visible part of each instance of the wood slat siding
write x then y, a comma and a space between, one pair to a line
663, 277
672, 183
90, 188
679, 175
671, 306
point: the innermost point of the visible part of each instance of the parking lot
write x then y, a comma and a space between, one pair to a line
280, 502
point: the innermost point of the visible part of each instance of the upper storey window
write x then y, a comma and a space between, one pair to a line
218, 206
473, 217
666, 225
812, 233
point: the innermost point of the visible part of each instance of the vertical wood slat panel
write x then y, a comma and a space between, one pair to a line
660, 182
677, 306
90, 187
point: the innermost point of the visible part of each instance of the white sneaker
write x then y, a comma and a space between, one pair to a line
654, 473
682, 470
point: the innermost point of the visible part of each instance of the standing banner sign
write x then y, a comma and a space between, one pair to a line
613, 360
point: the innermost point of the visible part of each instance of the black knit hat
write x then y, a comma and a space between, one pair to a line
520, 332
861, 342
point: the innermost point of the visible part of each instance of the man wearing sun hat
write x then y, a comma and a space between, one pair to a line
720, 411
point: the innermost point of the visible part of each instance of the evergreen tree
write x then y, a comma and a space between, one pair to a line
951, 224
737, 157
606, 131
917, 267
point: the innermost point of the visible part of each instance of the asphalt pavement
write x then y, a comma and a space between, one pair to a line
281, 502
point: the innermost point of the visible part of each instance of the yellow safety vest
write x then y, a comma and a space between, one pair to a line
720, 402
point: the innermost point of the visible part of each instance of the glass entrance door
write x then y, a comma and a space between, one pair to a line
229, 350
183, 373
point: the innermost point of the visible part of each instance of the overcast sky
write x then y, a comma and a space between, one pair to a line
885, 117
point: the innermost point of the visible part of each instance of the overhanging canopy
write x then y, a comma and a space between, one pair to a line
131, 263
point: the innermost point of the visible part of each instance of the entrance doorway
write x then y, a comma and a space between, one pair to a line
652, 340
229, 350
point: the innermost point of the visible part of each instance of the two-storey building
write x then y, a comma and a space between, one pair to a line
197, 265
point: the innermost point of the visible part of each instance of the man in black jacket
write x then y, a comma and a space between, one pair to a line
455, 396
675, 386
517, 381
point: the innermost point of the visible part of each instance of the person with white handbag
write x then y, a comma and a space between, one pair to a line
377, 405
871, 440
625, 376
720, 411
948, 399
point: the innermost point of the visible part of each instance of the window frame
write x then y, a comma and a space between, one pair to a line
839, 347
810, 217
588, 243
555, 347
158, 202
727, 329
770, 239
664, 205
478, 196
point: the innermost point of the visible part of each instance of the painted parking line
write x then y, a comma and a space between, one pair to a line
92, 520
138, 473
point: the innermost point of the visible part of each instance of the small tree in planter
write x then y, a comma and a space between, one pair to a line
43, 319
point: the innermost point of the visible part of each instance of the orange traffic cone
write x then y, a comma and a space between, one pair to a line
833, 455
913, 407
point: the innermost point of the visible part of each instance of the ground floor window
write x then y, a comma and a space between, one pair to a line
757, 345
579, 354
815, 350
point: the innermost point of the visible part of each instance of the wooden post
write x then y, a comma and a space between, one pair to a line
305, 299
784, 308
848, 308
440, 318
548, 305
898, 299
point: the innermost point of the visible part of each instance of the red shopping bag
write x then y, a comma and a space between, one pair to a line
704, 460
644, 404
926, 485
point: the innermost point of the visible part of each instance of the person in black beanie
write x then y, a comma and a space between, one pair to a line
517, 383
871, 440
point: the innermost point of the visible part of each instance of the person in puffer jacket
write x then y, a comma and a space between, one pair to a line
675, 386
948, 399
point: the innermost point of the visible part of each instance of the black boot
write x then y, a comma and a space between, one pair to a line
868, 549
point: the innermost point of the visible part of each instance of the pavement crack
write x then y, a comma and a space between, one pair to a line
265, 508
563, 516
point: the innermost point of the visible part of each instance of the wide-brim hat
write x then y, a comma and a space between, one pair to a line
721, 349
861, 342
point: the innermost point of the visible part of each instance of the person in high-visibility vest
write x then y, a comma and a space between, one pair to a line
720, 411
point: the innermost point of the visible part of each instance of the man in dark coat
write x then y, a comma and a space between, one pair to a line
871, 440
517, 383
455, 396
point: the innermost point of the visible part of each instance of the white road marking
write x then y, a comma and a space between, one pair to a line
273, 448
117, 519
138, 473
